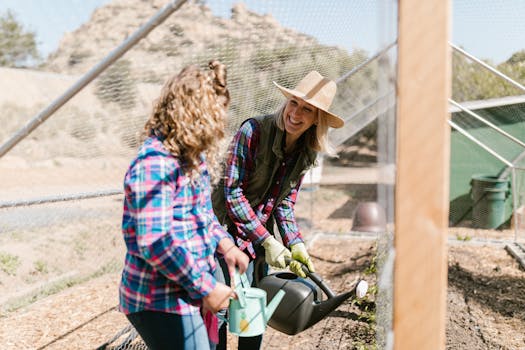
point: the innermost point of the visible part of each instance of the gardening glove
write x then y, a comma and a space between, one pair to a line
300, 255
275, 253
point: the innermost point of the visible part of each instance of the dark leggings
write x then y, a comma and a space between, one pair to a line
163, 331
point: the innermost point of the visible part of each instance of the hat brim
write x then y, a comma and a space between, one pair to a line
334, 121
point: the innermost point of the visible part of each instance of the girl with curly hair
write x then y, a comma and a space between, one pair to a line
169, 227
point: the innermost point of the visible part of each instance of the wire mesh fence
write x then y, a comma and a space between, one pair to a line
61, 204
487, 132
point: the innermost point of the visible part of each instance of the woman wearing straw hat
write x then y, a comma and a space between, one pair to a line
267, 160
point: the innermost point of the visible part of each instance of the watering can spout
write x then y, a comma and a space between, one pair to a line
270, 308
324, 308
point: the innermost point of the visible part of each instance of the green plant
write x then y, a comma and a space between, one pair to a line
9, 263
362, 346
372, 268
464, 238
367, 307
40, 266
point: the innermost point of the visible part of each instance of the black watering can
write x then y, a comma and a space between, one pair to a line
302, 306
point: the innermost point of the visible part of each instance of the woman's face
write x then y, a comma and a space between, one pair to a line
298, 116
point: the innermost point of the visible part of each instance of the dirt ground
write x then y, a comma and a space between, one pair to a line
486, 306
486, 302
80, 258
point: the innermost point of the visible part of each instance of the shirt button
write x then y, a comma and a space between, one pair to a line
283, 164
277, 182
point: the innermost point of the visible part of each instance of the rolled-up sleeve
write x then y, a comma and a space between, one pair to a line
285, 218
239, 166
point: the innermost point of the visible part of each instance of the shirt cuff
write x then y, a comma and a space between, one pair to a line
259, 235
297, 239
201, 286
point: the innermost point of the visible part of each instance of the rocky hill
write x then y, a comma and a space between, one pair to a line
189, 32
256, 48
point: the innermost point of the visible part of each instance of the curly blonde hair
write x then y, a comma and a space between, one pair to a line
190, 116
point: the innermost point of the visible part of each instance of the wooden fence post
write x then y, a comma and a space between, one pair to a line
422, 177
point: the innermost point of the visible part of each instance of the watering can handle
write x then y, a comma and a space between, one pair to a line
240, 281
314, 277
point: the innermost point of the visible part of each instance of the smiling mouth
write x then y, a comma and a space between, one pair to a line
295, 123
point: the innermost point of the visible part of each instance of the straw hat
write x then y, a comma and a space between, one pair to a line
317, 91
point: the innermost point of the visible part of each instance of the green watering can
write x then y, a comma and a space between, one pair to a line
248, 315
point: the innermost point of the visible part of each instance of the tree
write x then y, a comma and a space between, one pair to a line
517, 57
471, 81
17, 45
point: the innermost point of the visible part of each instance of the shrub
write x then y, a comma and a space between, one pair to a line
9, 263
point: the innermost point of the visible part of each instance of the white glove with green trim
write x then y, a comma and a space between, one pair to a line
275, 253
300, 255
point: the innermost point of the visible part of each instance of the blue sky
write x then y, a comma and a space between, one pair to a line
488, 29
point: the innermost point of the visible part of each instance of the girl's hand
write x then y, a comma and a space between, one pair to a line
233, 256
218, 299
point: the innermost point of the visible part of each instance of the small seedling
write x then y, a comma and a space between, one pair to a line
464, 238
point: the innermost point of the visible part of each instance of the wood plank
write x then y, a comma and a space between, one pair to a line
517, 251
422, 177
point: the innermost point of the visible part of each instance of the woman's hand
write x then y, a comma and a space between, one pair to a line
233, 256
300, 255
276, 254
218, 298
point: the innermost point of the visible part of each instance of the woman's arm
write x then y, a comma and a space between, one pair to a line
291, 236
285, 218
241, 161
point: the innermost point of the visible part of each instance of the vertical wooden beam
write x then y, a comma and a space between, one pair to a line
422, 177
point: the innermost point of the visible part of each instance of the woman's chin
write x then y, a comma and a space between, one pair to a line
292, 128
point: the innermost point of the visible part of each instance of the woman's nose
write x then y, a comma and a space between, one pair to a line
295, 112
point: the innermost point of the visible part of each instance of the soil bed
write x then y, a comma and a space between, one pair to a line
486, 302
485, 305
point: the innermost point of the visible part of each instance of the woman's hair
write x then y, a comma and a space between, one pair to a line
316, 137
190, 115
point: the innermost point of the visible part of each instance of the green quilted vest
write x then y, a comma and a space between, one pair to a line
269, 157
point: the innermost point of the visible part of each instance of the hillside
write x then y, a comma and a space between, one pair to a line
191, 30
256, 48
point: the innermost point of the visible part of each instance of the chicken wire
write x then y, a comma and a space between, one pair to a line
68, 172
487, 136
